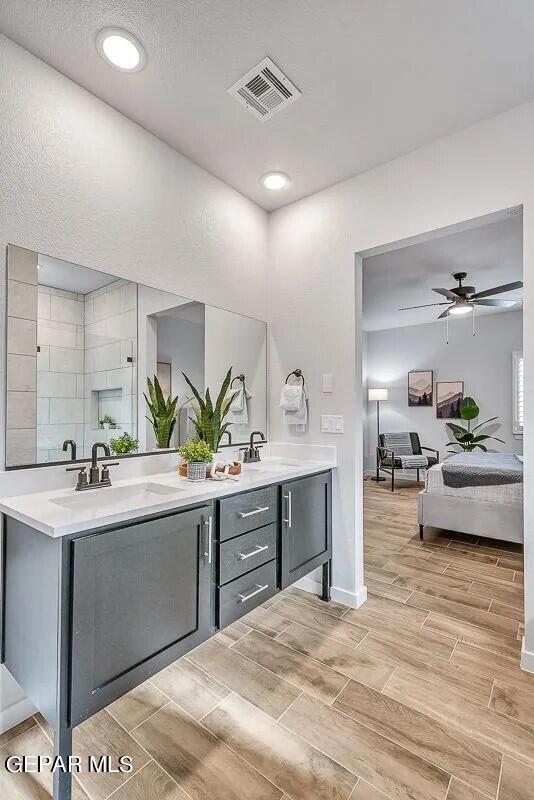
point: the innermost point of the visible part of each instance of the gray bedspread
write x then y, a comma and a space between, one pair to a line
482, 469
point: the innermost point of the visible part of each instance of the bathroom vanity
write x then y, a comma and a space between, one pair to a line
103, 589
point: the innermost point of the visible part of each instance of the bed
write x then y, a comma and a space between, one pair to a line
493, 510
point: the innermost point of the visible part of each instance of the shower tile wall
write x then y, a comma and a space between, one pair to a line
110, 379
21, 357
60, 371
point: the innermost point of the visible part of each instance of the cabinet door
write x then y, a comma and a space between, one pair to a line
306, 526
140, 599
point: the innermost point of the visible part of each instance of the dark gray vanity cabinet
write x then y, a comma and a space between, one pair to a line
89, 616
269, 538
140, 599
306, 526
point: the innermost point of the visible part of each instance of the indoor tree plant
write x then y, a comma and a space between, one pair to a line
163, 413
466, 438
197, 455
209, 419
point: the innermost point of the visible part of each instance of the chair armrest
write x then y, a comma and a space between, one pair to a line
385, 451
432, 450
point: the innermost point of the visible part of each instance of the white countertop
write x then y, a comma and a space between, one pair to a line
63, 511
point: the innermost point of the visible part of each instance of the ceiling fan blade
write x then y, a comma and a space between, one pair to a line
427, 305
443, 314
507, 287
498, 303
446, 293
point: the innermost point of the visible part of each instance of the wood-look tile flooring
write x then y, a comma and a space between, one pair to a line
418, 695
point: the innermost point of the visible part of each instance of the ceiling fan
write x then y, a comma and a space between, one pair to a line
462, 299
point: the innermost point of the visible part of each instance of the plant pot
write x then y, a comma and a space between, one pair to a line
105, 425
235, 469
196, 470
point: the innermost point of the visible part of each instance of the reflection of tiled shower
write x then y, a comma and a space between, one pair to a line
85, 366
60, 367
110, 361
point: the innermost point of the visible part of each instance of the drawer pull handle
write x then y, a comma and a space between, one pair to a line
258, 549
244, 597
245, 514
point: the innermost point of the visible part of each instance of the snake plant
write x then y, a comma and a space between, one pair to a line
467, 439
163, 412
209, 419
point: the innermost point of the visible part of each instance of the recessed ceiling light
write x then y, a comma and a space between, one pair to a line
121, 49
275, 180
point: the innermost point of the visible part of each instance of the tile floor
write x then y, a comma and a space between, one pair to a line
416, 696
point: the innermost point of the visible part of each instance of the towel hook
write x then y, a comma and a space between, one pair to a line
298, 374
238, 378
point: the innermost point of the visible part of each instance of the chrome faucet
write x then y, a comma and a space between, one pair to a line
72, 444
96, 480
252, 452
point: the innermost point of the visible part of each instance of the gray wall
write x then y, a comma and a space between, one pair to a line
483, 362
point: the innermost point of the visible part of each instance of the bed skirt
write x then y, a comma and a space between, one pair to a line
478, 517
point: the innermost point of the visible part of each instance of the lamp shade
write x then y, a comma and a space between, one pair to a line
377, 394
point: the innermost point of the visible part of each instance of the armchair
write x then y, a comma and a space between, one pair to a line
389, 461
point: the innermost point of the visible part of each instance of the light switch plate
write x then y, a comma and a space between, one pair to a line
328, 384
331, 423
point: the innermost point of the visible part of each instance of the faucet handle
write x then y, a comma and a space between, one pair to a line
82, 476
105, 471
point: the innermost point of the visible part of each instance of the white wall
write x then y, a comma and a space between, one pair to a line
483, 362
83, 183
313, 282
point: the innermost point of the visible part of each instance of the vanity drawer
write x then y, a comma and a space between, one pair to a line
246, 552
248, 511
245, 593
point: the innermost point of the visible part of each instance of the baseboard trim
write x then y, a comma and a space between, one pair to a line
527, 658
351, 599
16, 713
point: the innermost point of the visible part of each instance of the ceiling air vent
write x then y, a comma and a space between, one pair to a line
265, 90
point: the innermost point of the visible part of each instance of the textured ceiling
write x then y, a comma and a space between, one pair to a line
492, 255
379, 77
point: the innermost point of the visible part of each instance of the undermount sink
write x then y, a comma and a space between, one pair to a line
114, 495
276, 465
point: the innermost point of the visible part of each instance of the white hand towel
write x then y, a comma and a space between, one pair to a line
297, 416
291, 397
238, 402
238, 412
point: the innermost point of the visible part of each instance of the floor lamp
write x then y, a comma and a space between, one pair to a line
377, 396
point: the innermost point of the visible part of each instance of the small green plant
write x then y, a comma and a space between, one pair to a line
163, 412
209, 419
124, 444
107, 420
195, 450
466, 438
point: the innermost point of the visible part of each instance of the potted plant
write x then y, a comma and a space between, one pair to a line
163, 413
124, 444
466, 438
197, 455
209, 419
107, 422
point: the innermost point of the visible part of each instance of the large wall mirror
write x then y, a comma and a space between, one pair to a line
81, 344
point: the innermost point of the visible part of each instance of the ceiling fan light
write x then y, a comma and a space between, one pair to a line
460, 308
